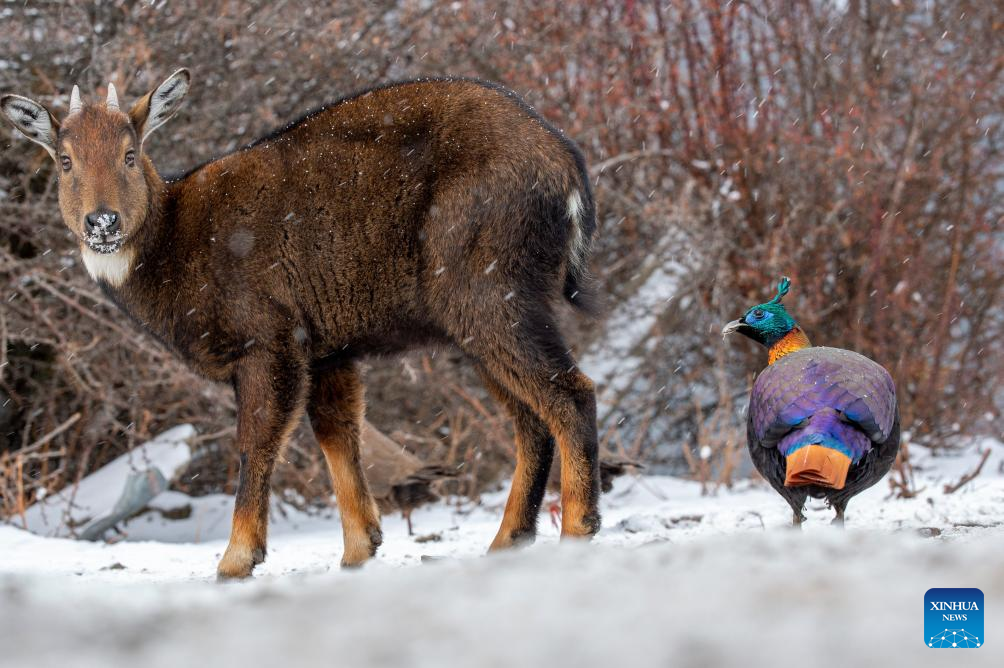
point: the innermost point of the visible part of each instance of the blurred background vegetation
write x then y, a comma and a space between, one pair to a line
854, 146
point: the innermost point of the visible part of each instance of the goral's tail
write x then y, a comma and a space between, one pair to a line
579, 289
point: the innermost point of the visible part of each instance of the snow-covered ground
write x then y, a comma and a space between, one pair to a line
674, 578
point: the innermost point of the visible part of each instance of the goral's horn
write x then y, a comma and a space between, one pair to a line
113, 99
75, 104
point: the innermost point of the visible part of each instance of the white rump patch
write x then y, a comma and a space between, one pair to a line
577, 250
575, 206
112, 268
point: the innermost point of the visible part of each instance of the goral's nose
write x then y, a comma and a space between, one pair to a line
101, 222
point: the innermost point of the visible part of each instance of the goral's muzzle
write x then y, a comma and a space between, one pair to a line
102, 231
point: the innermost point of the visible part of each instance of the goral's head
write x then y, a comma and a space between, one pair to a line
104, 192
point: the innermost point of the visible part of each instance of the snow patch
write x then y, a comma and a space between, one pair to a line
97, 493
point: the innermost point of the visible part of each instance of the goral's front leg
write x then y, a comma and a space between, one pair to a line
270, 391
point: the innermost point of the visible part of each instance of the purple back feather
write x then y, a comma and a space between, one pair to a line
823, 393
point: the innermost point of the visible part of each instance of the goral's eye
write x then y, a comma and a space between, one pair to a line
65, 162
130, 157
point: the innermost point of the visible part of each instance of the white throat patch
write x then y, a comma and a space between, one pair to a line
112, 268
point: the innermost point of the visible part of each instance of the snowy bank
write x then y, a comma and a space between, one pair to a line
761, 599
674, 578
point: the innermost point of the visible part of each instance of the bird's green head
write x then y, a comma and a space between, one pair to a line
766, 323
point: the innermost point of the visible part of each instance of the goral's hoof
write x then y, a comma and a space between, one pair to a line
587, 527
509, 540
361, 549
238, 564
592, 522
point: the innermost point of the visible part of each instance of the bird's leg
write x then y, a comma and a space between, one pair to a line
554, 510
407, 518
838, 519
797, 501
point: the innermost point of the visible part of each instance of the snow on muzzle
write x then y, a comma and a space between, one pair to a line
102, 231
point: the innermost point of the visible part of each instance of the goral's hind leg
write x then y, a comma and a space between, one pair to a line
534, 452
270, 393
336, 414
530, 360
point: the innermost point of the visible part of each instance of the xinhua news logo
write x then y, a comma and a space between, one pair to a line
953, 618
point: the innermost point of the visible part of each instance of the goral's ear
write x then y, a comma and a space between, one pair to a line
32, 119
156, 107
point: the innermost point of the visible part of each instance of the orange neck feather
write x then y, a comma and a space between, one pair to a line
792, 341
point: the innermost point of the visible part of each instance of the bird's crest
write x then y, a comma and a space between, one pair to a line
782, 289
